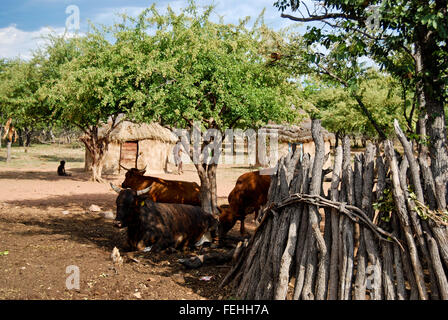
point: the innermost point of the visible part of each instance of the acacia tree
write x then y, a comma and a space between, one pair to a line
20, 82
91, 88
415, 29
18, 95
213, 74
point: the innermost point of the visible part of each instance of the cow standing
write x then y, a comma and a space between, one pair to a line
248, 195
166, 191
160, 225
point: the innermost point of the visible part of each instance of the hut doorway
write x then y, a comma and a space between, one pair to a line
129, 154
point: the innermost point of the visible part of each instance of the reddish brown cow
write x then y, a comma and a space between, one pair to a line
166, 191
248, 195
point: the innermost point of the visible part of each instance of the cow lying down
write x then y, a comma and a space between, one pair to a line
161, 225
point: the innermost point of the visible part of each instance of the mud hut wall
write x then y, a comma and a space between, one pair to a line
112, 158
111, 161
154, 155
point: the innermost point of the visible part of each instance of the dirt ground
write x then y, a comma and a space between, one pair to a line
46, 226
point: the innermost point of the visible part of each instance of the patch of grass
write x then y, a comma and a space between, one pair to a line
43, 155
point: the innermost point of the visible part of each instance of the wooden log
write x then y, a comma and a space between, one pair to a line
265, 288
438, 267
386, 248
296, 215
357, 193
413, 164
302, 241
399, 274
301, 259
315, 188
334, 255
428, 182
308, 291
360, 285
388, 270
346, 257
263, 258
431, 255
417, 227
434, 201
375, 278
252, 271
404, 221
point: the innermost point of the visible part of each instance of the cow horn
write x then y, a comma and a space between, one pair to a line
141, 192
143, 170
125, 168
116, 189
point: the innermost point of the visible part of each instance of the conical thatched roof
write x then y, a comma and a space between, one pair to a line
296, 134
129, 131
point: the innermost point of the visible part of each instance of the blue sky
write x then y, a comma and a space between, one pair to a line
24, 22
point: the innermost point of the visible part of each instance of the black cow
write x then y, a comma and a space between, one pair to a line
161, 225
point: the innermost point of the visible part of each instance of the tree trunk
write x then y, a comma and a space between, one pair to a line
28, 135
431, 91
8, 151
20, 136
98, 148
207, 176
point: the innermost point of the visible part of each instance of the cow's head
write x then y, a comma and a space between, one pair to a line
212, 224
227, 219
127, 201
132, 177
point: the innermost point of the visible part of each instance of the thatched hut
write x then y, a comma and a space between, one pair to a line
136, 146
291, 137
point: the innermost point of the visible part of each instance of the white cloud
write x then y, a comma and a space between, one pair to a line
15, 42
18, 43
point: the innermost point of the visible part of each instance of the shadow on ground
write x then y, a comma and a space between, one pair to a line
84, 229
77, 174
83, 201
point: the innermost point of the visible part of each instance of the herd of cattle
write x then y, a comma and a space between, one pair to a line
162, 214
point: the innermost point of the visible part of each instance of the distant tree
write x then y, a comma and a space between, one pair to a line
340, 113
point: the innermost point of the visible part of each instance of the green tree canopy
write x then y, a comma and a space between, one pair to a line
218, 74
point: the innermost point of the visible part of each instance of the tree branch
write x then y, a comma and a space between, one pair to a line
321, 17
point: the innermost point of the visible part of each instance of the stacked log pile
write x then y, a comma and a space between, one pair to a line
379, 233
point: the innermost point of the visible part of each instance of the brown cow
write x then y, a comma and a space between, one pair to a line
160, 225
248, 195
166, 191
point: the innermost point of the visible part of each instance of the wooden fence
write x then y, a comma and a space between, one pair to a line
374, 235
